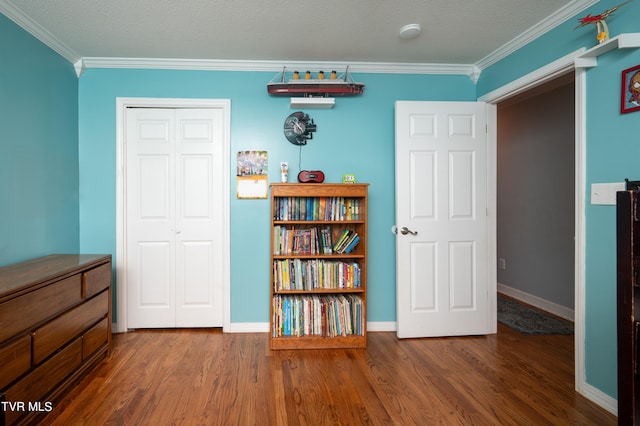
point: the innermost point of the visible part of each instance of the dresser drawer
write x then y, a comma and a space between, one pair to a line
48, 338
95, 280
15, 360
96, 337
23, 312
41, 381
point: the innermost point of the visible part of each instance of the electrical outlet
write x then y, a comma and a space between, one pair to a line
502, 264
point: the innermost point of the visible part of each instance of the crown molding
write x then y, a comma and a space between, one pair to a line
240, 65
32, 27
562, 15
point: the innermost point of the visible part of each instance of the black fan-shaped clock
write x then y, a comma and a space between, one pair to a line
298, 128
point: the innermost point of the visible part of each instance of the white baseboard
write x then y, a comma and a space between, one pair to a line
248, 327
598, 397
381, 326
530, 299
263, 327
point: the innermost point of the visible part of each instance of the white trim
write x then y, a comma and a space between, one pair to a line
121, 283
543, 74
263, 327
79, 67
563, 14
602, 399
533, 79
538, 302
275, 66
248, 327
14, 13
492, 213
580, 226
381, 326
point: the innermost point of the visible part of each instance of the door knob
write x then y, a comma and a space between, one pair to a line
404, 231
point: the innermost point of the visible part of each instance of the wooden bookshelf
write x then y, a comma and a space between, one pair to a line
318, 287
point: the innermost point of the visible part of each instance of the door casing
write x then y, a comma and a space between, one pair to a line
546, 73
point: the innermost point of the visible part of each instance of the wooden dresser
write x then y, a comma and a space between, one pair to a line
55, 325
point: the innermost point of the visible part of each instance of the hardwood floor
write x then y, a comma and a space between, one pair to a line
205, 377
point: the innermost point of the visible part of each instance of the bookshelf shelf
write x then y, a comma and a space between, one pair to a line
318, 256
318, 276
317, 222
321, 291
310, 342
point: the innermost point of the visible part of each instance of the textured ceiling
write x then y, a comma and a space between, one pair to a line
454, 31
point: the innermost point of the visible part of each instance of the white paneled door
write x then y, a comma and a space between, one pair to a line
441, 216
173, 188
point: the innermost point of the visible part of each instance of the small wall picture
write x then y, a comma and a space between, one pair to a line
252, 163
630, 100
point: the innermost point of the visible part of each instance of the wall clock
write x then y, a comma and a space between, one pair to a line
298, 128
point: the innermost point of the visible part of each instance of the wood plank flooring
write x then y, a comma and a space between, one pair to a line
205, 377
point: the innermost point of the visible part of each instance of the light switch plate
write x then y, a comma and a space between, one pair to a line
605, 193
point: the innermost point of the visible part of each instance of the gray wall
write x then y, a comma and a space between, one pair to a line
535, 232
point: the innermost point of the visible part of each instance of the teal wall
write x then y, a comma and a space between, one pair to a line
612, 152
356, 136
38, 148
57, 137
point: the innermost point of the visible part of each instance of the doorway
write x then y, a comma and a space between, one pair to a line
218, 113
535, 206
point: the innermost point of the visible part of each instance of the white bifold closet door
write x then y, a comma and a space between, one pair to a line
173, 220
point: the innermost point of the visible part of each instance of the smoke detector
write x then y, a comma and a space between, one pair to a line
410, 31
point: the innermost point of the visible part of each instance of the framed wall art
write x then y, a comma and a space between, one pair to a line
630, 99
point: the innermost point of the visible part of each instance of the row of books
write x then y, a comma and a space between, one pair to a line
312, 274
318, 315
316, 208
312, 240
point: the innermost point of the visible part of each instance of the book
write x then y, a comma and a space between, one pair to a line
341, 240
352, 244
